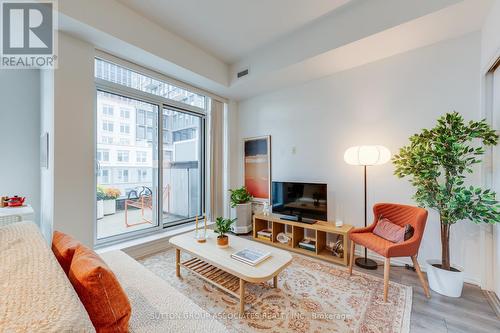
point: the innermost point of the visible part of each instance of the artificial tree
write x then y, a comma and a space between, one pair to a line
437, 162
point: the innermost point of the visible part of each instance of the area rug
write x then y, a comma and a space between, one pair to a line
312, 296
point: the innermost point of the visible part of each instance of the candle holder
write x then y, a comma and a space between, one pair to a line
201, 234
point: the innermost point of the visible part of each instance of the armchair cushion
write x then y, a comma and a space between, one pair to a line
393, 232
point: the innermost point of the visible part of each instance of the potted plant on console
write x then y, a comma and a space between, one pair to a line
437, 162
111, 194
241, 202
222, 227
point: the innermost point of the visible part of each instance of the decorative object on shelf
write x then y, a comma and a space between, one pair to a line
283, 238
222, 227
201, 234
241, 202
436, 162
257, 167
265, 209
100, 202
15, 201
337, 248
367, 156
308, 244
265, 234
110, 196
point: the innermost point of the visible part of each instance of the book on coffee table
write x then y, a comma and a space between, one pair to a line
250, 256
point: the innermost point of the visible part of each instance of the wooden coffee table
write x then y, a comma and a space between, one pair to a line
216, 266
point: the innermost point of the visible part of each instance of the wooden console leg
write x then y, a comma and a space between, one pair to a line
275, 281
387, 268
177, 262
242, 296
421, 276
351, 257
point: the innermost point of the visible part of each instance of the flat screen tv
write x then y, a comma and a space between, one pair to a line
303, 202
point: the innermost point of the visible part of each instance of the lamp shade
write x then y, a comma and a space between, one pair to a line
367, 155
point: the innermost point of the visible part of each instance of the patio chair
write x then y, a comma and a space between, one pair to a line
142, 198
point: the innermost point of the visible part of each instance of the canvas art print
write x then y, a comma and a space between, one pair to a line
257, 166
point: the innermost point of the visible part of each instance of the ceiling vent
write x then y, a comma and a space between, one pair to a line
242, 73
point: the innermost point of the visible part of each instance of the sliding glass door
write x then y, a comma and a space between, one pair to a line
182, 165
127, 172
150, 138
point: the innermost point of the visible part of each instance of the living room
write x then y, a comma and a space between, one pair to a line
336, 141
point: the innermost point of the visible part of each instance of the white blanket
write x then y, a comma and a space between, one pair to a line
35, 294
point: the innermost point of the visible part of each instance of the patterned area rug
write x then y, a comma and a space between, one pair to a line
312, 296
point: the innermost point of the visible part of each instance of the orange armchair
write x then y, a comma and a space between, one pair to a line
401, 215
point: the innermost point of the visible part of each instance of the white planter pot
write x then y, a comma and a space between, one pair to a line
100, 209
445, 282
109, 207
243, 223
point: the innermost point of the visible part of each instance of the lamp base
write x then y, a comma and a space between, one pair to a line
366, 263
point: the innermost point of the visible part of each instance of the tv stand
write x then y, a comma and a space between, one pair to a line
297, 232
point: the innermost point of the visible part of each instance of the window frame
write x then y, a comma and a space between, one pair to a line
161, 103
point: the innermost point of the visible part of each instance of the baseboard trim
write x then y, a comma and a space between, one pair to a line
494, 301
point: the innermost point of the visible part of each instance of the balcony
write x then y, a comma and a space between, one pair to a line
133, 209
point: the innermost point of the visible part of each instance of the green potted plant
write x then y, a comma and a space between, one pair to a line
100, 202
110, 196
222, 227
241, 202
437, 161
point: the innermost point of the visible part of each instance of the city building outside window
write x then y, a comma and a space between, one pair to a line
107, 126
107, 110
123, 156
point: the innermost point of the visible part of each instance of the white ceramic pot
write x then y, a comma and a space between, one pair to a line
243, 223
445, 282
100, 209
109, 207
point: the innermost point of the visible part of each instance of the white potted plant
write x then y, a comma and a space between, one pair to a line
241, 202
110, 196
437, 161
100, 202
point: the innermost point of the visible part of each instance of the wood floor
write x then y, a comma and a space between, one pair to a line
469, 314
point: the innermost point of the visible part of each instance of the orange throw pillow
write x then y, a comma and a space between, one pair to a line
63, 247
100, 292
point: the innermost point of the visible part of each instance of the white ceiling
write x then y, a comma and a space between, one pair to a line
230, 29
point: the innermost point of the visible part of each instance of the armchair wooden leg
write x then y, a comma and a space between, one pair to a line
421, 276
351, 257
387, 268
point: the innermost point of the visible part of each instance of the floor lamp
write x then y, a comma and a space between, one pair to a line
366, 156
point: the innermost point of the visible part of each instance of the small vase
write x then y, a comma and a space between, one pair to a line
222, 241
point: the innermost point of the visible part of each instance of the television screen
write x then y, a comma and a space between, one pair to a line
300, 200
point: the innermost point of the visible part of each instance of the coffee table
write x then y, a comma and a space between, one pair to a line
215, 265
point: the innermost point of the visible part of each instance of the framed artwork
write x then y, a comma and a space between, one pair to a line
257, 167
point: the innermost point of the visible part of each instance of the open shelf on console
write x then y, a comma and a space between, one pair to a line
321, 231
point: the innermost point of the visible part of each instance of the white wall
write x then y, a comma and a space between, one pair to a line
380, 103
74, 140
19, 135
47, 174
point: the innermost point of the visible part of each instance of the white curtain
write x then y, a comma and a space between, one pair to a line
216, 158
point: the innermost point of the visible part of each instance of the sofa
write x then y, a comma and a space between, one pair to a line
36, 295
